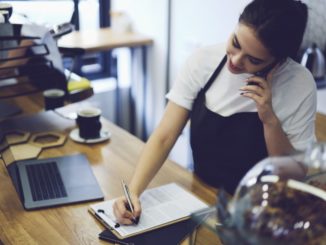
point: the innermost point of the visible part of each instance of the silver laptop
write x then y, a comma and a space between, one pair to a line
55, 181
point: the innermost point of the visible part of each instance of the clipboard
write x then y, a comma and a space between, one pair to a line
112, 230
162, 206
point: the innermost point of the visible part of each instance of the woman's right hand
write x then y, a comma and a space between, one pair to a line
122, 214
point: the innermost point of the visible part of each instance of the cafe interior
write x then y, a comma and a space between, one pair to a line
83, 83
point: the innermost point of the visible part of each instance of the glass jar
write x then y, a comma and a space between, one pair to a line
281, 200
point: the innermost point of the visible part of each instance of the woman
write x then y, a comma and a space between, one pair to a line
253, 102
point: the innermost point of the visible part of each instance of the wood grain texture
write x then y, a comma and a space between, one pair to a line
110, 161
321, 127
103, 39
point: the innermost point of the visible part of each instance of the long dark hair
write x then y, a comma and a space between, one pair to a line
279, 24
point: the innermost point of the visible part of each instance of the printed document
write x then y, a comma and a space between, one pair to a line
161, 206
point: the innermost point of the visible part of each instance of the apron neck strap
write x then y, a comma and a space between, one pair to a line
215, 74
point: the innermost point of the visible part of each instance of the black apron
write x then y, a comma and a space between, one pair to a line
224, 148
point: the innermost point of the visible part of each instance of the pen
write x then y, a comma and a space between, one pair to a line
130, 206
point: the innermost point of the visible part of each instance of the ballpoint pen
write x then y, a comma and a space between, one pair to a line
129, 206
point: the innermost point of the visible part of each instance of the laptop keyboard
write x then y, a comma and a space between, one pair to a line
45, 181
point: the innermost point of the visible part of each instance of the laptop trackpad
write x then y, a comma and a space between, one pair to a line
75, 173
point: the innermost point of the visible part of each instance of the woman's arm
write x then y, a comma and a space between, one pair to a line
158, 146
151, 159
277, 142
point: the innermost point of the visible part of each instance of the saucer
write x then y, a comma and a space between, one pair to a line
104, 135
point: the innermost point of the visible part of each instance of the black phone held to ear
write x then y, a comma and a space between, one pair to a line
263, 73
252, 83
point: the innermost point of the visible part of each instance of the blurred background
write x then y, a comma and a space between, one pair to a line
177, 28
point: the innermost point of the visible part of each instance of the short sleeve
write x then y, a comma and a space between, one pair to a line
194, 74
301, 131
299, 100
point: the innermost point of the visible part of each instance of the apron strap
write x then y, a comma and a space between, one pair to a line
215, 74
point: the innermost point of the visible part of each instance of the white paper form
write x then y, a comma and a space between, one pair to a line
160, 205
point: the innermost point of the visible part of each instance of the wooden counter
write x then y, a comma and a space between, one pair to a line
103, 39
110, 161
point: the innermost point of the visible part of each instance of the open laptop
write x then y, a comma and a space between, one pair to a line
56, 181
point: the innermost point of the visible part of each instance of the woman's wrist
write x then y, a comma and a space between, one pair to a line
134, 190
277, 141
272, 122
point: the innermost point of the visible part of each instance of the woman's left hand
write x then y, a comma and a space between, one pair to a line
259, 89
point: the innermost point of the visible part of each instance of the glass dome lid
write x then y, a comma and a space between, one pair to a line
275, 203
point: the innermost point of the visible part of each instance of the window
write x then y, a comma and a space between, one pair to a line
91, 14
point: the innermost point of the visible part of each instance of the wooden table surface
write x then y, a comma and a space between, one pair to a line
321, 127
103, 39
110, 161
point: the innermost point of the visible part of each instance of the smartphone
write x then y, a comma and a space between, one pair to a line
263, 73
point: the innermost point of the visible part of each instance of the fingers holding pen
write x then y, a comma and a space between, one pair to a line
122, 214
136, 205
122, 211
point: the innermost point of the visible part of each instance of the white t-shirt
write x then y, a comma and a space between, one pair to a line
293, 92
